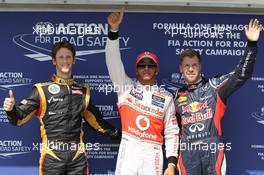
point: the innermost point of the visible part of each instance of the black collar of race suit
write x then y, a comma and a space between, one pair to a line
62, 81
191, 87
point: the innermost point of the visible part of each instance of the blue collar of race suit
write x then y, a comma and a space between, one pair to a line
191, 87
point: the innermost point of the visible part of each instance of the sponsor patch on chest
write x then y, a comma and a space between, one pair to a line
157, 101
182, 99
158, 98
77, 92
161, 105
54, 88
136, 94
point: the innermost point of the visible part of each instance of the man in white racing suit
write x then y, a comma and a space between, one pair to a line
146, 110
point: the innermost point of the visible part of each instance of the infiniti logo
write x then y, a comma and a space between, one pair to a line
196, 126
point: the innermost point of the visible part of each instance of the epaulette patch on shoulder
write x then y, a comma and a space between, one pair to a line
24, 102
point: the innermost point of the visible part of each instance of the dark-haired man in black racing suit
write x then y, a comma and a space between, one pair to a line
201, 104
61, 105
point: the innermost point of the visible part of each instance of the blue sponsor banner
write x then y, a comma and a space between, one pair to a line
26, 40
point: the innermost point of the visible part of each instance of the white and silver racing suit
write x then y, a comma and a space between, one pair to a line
145, 111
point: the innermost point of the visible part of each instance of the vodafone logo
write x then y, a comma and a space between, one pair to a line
142, 122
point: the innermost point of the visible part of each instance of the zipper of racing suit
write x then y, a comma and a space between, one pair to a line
69, 112
69, 109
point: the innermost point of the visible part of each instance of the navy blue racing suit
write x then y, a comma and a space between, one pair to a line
201, 108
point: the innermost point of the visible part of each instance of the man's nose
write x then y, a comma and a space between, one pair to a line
146, 67
190, 68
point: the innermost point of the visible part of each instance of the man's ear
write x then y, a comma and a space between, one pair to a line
200, 68
157, 71
74, 60
136, 72
53, 61
180, 68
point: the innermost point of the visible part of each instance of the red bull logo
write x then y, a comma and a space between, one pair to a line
197, 117
194, 107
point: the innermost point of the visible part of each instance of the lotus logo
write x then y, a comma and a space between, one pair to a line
196, 127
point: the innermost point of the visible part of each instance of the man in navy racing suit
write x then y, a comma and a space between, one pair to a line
201, 104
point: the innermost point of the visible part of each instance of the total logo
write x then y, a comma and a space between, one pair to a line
142, 122
53, 99
194, 107
196, 127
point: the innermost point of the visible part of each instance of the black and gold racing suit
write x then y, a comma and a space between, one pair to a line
61, 105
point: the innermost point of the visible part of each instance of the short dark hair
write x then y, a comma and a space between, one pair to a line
63, 44
190, 53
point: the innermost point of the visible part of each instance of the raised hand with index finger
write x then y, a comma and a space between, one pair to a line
115, 19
